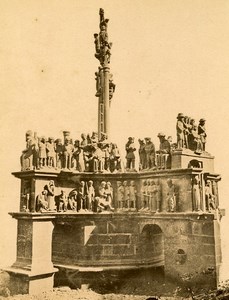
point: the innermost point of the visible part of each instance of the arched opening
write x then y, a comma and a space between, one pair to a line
151, 246
194, 163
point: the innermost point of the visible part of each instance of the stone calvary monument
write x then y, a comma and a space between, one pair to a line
82, 210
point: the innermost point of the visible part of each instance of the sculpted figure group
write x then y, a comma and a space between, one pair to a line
102, 45
84, 198
189, 135
151, 196
89, 155
149, 157
209, 192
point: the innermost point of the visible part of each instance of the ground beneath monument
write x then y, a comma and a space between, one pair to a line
136, 290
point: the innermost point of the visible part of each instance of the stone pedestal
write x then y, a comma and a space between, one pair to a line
33, 270
185, 158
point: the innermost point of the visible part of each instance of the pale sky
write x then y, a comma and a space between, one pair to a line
167, 57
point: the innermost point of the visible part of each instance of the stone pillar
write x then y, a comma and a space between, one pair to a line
106, 71
33, 270
101, 120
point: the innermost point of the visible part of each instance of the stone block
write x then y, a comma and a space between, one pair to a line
104, 239
107, 250
123, 250
120, 239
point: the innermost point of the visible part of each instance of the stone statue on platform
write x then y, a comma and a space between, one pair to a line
68, 149
130, 156
163, 154
150, 153
142, 155
102, 46
98, 158
202, 133
42, 154
76, 161
180, 131
186, 125
194, 138
28, 158
51, 154
59, 153
114, 158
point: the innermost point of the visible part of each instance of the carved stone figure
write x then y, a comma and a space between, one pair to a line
142, 155
88, 158
83, 142
50, 188
180, 131
90, 196
114, 158
109, 194
42, 155
81, 200
202, 133
133, 195
209, 197
72, 200
42, 203
126, 194
144, 196
62, 202
105, 196
51, 154
157, 195
111, 86
171, 196
150, 153
130, 156
196, 193
120, 194
76, 161
186, 125
163, 153
68, 149
97, 45
28, 158
98, 158
94, 138
59, 153
152, 196
194, 138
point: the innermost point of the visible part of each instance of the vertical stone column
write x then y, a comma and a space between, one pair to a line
101, 120
33, 270
106, 71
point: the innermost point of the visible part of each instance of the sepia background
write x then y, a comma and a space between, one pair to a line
167, 57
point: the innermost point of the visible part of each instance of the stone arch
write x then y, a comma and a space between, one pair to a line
194, 163
151, 245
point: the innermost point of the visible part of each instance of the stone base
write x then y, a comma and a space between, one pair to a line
27, 282
185, 158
